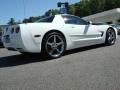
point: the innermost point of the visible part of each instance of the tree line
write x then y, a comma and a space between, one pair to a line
81, 9
89, 7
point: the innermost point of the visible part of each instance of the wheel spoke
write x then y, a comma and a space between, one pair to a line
109, 33
50, 44
60, 43
55, 45
51, 52
54, 38
57, 50
111, 37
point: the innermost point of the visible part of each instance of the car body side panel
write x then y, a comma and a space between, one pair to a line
31, 35
29, 44
32, 43
83, 35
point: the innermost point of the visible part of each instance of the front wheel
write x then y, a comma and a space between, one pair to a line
54, 45
110, 37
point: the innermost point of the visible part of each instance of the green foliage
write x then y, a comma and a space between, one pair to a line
81, 9
47, 13
32, 19
11, 21
110, 4
51, 12
71, 9
88, 7
96, 6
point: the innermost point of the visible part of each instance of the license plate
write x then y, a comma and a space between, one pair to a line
7, 39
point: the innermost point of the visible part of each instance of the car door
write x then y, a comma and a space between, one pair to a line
81, 32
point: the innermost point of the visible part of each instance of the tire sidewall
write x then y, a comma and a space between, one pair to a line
44, 51
107, 35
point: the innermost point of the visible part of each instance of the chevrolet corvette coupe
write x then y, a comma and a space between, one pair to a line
53, 35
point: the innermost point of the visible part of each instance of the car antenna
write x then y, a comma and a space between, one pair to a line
24, 10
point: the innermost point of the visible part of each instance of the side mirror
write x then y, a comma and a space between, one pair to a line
90, 22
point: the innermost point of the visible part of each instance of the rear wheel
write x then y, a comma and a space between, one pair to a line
54, 45
110, 37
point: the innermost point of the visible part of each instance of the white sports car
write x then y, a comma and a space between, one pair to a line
55, 34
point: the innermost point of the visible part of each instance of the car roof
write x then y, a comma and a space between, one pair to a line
65, 15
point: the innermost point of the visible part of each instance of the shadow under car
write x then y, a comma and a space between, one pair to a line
16, 60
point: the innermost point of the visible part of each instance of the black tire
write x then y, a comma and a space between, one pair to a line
27, 54
110, 37
53, 49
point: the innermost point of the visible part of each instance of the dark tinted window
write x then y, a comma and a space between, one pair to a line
73, 20
47, 19
109, 22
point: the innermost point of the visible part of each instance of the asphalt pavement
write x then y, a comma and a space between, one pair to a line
89, 68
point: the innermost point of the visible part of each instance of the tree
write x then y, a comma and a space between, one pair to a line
81, 9
88, 7
31, 19
47, 13
72, 9
11, 21
97, 6
110, 4
52, 12
25, 20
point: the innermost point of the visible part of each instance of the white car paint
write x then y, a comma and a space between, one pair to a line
75, 35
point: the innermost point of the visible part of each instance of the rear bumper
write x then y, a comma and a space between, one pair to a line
1, 44
13, 43
13, 47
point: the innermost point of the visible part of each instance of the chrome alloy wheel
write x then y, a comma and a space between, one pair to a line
111, 37
55, 45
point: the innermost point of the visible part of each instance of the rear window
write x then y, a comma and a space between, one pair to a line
47, 19
69, 19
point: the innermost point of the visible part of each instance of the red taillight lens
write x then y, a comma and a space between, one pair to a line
17, 29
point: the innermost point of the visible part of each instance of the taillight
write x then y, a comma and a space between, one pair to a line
17, 29
12, 30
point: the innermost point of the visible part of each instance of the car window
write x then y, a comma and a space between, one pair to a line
74, 20
47, 19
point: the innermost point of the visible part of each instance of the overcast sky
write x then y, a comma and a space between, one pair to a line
15, 8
